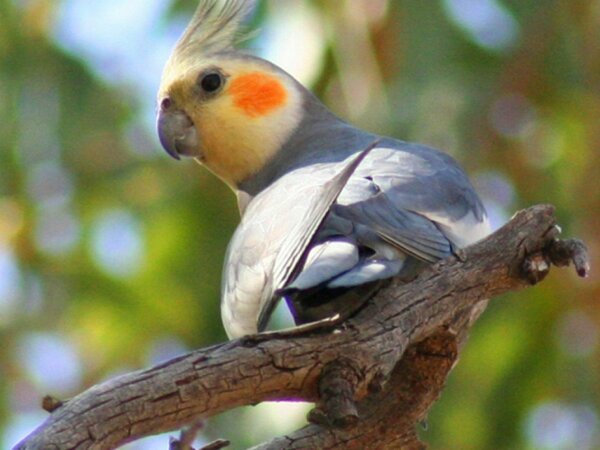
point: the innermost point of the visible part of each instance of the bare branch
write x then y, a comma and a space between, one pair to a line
409, 334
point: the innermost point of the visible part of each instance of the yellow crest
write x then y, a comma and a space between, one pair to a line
214, 28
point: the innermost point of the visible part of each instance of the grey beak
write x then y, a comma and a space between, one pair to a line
177, 134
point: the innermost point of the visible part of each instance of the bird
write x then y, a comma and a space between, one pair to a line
329, 212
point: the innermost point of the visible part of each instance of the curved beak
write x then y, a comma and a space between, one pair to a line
177, 134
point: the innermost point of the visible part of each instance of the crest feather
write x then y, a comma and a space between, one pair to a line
214, 27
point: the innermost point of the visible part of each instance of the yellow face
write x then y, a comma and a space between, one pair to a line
239, 113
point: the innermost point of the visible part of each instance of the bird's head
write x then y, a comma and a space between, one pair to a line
229, 110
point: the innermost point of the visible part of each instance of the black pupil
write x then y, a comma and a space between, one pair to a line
211, 82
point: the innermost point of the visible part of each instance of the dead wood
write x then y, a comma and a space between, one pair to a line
373, 377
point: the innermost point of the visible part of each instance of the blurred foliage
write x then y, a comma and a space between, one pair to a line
110, 253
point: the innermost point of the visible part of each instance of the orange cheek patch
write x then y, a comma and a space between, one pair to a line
257, 94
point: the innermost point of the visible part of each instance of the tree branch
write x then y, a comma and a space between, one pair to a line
408, 335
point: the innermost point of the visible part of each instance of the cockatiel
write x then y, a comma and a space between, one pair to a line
328, 210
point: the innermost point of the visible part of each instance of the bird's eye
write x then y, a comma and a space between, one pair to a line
211, 82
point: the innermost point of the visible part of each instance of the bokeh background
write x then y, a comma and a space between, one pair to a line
110, 252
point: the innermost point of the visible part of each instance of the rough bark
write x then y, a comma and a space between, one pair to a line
373, 377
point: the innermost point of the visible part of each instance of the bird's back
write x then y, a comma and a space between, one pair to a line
404, 206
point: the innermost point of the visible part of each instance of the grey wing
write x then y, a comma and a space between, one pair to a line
273, 236
417, 199
403, 229
427, 182
401, 204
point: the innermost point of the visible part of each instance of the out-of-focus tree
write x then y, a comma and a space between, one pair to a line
106, 246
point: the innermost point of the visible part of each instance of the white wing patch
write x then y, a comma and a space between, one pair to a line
325, 261
371, 270
465, 231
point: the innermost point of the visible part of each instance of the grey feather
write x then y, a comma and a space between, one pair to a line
269, 242
325, 261
297, 241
